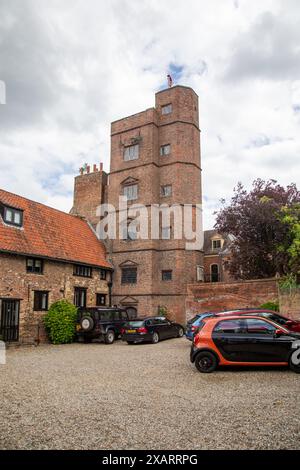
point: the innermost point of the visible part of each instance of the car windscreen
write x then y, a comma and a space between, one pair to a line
135, 324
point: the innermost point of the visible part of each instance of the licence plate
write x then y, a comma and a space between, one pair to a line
130, 331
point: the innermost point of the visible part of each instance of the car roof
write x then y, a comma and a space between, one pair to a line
234, 317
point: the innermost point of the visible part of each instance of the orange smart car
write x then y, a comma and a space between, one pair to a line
246, 340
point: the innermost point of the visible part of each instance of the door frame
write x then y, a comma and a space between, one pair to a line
10, 332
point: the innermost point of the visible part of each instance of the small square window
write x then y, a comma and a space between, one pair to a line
166, 191
166, 275
40, 300
165, 150
131, 152
100, 300
167, 109
12, 216
34, 265
129, 276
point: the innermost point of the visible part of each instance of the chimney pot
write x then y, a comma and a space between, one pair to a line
95, 168
101, 166
88, 169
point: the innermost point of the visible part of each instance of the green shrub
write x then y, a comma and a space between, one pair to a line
271, 306
60, 322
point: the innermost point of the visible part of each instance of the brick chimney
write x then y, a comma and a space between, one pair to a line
89, 192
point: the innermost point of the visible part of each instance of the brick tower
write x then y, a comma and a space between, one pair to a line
155, 159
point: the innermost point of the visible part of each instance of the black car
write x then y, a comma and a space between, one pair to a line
151, 329
101, 323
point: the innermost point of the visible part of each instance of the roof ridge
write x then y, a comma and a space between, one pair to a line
42, 204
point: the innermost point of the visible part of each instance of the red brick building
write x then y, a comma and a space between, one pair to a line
155, 159
45, 255
216, 254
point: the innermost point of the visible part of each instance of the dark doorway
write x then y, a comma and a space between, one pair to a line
214, 271
10, 313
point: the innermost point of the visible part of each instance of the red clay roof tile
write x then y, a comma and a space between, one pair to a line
50, 233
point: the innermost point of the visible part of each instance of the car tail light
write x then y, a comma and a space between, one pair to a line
194, 328
122, 331
142, 330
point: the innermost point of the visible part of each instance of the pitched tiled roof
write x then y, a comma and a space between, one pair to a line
50, 233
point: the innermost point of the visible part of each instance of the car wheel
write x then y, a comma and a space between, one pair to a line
294, 363
180, 333
109, 337
206, 362
87, 323
155, 338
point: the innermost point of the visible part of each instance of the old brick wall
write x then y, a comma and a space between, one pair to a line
57, 278
289, 303
222, 296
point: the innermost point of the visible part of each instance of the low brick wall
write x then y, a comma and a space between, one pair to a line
290, 304
203, 297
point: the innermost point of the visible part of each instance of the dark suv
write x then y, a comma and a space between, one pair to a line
101, 323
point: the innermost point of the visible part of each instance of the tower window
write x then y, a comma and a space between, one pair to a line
166, 275
166, 190
131, 152
131, 192
167, 109
166, 233
129, 275
165, 150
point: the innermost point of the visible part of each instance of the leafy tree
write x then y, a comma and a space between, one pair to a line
290, 216
254, 220
60, 322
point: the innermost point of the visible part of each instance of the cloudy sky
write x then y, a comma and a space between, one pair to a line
72, 67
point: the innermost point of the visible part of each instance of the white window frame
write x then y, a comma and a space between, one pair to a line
163, 188
131, 153
165, 150
131, 192
166, 109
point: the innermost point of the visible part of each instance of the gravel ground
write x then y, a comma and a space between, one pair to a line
96, 396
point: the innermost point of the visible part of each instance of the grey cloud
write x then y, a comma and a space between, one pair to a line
269, 49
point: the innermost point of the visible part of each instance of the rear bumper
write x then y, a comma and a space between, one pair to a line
137, 338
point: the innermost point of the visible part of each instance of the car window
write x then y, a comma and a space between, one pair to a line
107, 315
274, 317
123, 315
135, 324
254, 326
229, 326
149, 322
